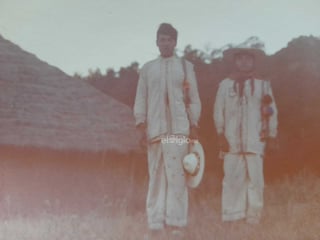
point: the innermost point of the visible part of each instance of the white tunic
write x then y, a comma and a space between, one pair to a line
239, 118
160, 87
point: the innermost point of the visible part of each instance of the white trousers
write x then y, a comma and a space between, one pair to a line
242, 188
167, 199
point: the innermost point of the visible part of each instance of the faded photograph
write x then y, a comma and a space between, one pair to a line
159, 120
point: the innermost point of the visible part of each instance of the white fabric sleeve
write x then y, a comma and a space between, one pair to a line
218, 110
140, 104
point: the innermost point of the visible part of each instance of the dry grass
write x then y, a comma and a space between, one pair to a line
292, 211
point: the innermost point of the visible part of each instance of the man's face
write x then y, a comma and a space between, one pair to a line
166, 45
244, 62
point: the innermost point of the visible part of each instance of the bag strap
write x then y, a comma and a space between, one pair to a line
264, 134
186, 91
185, 85
186, 94
265, 87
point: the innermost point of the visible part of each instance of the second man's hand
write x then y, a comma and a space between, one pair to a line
223, 143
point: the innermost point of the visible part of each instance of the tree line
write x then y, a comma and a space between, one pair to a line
294, 72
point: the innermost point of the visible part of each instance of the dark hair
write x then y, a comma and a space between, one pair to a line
167, 29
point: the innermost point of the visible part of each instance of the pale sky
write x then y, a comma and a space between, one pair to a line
76, 35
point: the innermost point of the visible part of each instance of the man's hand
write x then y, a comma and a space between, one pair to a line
223, 143
143, 140
141, 127
194, 134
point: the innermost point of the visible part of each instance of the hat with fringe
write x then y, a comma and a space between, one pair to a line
257, 53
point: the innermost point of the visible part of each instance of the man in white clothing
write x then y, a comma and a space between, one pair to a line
245, 117
161, 111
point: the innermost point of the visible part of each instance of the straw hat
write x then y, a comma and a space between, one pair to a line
193, 164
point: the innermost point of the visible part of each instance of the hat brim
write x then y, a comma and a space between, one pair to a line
193, 181
229, 54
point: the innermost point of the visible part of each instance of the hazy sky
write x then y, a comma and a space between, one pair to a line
76, 35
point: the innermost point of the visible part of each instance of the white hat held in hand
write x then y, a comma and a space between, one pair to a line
193, 164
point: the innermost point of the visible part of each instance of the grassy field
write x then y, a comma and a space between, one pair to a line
99, 201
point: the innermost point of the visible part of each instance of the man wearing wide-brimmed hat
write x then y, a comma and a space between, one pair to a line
161, 111
245, 117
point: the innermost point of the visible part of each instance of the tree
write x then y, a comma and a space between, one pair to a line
110, 74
